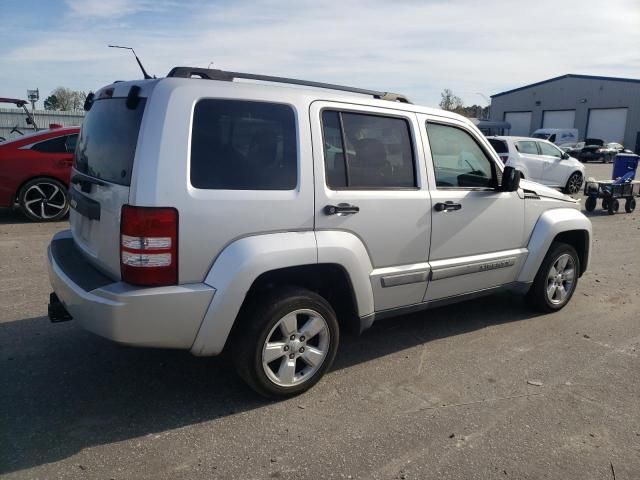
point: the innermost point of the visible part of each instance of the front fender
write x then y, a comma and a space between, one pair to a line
244, 260
549, 225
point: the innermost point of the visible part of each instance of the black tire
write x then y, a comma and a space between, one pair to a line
257, 324
630, 205
44, 199
613, 206
537, 295
574, 183
590, 204
605, 204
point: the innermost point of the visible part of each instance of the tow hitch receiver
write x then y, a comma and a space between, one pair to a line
57, 312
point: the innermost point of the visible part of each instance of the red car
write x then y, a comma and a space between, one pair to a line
35, 171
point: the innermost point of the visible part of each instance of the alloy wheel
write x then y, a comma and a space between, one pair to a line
296, 347
561, 279
44, 200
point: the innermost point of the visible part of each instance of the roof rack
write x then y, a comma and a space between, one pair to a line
214, 74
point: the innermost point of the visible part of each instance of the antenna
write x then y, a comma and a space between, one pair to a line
144, 72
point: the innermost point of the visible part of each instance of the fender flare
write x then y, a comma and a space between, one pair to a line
244, 260
549, 225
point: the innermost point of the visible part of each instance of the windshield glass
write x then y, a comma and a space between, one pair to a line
107, 143
543, 136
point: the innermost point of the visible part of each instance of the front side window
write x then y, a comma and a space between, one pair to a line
243, 145
367, 151
458, 160
549, 150
527, 147
53, 145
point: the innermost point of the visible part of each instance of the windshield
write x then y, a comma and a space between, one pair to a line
500, 146
542, 136
107, 143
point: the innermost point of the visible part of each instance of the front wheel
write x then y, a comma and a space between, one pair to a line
285, 342
573, 183
44, 200
556, 279
590, 204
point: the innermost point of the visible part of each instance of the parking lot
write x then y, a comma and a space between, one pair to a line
483, 389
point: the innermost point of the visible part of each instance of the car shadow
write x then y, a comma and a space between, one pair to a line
13, 216
64, 390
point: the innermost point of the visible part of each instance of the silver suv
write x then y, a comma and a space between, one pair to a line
217, 213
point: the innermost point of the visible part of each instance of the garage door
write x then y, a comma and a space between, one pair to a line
558, 118
607, 123
520, 123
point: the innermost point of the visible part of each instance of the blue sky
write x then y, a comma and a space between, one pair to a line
417, 47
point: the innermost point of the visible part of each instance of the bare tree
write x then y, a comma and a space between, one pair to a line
65, 99
449, 101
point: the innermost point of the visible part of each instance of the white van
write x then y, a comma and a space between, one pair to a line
558, 136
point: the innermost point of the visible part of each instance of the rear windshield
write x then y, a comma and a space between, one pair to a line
107, 142
500, 146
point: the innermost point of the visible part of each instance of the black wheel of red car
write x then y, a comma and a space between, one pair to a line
44, 200
613, 206
630, 205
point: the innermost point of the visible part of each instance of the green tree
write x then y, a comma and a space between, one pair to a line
66, 99
51, 103
450, 102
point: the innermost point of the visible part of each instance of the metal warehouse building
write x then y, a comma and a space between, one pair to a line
599, 107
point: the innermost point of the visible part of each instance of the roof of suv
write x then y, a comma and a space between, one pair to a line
248, 87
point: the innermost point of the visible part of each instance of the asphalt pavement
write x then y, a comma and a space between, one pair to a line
485, 389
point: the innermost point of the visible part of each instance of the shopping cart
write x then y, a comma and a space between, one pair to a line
622, 186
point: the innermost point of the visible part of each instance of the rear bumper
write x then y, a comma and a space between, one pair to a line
154, 317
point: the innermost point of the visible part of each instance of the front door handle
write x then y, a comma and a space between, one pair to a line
447, 206
341, 209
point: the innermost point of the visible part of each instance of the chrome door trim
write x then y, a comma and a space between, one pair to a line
453, 267
402, 275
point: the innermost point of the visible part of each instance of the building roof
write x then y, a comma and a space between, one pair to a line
569, 75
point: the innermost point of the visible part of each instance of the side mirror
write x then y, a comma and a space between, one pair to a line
510, 179
565, 156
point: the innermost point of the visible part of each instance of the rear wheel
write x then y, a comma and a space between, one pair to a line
285, 342
573, 183
630, 205
613, 206
590, 204
44, 200
556, 279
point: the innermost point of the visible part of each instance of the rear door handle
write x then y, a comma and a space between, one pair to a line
447, 206
341, 209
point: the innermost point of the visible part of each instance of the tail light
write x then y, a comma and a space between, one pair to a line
149, 245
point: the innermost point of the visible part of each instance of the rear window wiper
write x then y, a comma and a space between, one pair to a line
85, 182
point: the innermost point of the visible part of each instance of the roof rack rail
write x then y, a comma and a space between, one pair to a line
214, 74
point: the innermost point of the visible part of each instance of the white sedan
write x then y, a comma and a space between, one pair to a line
540, 161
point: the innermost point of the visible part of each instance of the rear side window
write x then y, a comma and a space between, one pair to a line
500, 146
241, 145
107, 142
53, 145
379, 152
527, 147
